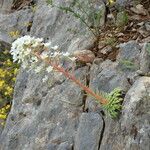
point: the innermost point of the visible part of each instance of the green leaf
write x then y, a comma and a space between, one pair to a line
113, 107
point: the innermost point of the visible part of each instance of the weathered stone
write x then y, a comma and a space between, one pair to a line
132, 130
132, 58
145, 59
89, 132
129, 59
45, 116
129, 52
49, 116
15, 25
85, 56
105, 77
82, 42
124, 3
109, 75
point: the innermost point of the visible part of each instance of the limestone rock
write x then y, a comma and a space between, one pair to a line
46, 117
89, 132
145, 59
133, 129
105, 77
51, 115
86, 56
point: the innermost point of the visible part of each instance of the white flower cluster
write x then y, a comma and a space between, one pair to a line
24, 49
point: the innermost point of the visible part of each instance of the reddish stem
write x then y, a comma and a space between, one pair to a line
73, 78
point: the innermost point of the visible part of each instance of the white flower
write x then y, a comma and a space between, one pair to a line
28, 50
66, 54
55, 47
35, 44
49, 69
45, 79
39, 40
34, 59
38, 69
23, 50
48, 44
55, 54
44, 55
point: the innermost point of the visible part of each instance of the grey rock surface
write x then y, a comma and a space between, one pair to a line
15, 24
129, 59
132, 62
6, 5
105, 77
51, 115
124, 3
89, 132
132, 130
129, 56
145, 59
43, 117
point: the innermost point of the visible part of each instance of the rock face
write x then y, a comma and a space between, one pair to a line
57, 115
133, 128
89, 131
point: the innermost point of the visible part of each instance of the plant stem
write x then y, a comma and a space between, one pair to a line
82, 9
96, 33
70, 76
88, 26
77, 16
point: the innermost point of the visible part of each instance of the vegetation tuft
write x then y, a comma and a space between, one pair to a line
8, 71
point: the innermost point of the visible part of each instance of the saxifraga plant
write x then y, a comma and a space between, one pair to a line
88, 13
111, 102
34, 54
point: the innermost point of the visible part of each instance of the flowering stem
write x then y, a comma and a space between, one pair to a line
101, 99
